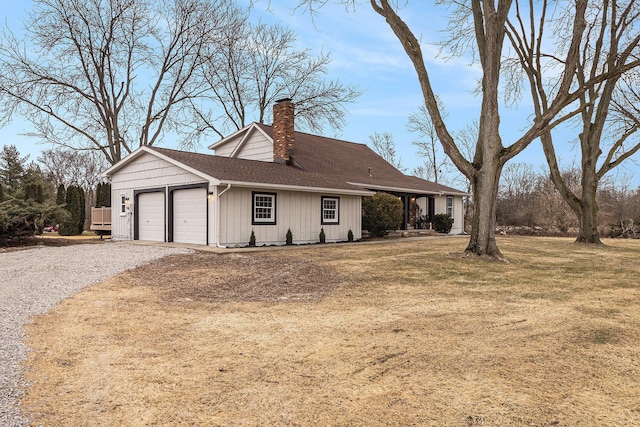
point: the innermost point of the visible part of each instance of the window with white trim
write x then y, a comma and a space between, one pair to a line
450, 205
123, 205
264, 208
330, 210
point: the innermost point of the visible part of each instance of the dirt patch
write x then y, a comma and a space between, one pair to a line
210, 277
52, 240
413, 337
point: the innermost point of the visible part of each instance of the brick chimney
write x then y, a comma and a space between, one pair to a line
283, 129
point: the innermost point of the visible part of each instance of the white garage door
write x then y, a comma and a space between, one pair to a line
151, 217
190, 216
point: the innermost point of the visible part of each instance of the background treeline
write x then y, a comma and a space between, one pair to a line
57, 191
528, 203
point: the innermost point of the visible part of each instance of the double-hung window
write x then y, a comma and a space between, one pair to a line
264, 208
450, 205
330, 210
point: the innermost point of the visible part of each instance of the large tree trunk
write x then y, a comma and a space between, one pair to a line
485, 178
588, 208
485, 190
585, 207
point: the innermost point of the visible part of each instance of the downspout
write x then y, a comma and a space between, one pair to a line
218, 214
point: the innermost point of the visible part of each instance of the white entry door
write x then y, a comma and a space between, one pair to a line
190, 216
151, 216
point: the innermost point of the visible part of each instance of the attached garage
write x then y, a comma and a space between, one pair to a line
150, 216
189, 215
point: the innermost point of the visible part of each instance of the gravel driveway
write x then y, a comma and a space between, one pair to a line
33, 281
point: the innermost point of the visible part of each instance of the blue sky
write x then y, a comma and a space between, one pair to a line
366, 53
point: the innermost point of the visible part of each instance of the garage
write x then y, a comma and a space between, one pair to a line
150, 216
190, 216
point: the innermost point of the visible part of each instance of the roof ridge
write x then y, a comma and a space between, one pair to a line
317, 136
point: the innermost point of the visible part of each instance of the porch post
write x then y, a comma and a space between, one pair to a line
405, 222
431, 208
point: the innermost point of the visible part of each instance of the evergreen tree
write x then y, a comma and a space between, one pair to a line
39, 193
28, 192
73, 226
103, 195
98, 194
11, 168
1, 192
34, 183
61, 196
82, 213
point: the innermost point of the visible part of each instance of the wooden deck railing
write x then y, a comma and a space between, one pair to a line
101, 219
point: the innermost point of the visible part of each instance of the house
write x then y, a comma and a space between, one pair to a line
265, 180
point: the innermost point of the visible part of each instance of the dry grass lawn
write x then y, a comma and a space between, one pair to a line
400, 333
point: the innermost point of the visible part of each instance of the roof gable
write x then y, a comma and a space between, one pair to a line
140, 152
250, 142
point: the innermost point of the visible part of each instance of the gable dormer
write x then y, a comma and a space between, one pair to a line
250, 143
253, 143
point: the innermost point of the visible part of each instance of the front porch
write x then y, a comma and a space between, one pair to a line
418, 211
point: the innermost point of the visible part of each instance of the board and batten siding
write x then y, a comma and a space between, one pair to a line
145, 172
298, 211
255, 147
458, 212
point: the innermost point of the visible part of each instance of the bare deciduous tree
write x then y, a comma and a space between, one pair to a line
482, 27
420, 123
608, 111
260, 64
385, 146
67, 167
485, 33
107, 75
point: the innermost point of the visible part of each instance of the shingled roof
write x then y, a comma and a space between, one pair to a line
227, 169
355, 163
317, 162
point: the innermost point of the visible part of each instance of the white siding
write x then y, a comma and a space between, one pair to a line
255, 147
147, 171
458, 215
298, 211
423, 204
228, 147
458, 211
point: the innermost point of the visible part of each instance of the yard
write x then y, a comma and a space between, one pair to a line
400, 333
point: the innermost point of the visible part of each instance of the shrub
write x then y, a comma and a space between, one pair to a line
289, 237
22, 219
350, 236
422, 222
382, 213
626, 229
252, 239
442, 223
322, 237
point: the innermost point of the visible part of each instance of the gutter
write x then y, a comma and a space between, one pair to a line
409, 190
218, 245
